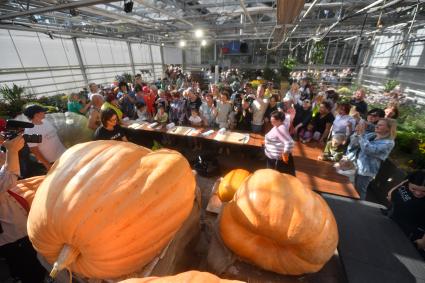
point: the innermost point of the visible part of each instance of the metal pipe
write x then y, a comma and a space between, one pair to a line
304, 15
80, 60
143, 2
130, 53
242, 3
52, 8
370, 6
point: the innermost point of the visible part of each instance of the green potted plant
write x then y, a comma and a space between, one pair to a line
390, 85
286, 67
14, 99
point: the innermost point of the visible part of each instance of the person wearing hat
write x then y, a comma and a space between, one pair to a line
373, 117
50, 148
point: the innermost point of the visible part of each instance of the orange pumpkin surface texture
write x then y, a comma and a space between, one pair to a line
107, 208
186, 277
276, 223
230, 183
27, 188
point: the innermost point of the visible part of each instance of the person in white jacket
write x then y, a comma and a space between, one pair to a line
259, 107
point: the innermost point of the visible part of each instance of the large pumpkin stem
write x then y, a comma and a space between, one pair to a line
67, 255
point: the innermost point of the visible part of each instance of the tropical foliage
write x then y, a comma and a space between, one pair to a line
286, 67
318, 53
390, 85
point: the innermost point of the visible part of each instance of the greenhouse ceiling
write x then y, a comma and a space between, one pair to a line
169, 21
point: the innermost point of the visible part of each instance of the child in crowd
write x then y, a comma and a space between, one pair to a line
334, 148
142, 114
194, 119
307, 134
161, 116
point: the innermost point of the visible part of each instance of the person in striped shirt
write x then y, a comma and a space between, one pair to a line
278, 145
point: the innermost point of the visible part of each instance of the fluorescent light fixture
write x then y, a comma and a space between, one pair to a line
199, 33
182, 43
203, 42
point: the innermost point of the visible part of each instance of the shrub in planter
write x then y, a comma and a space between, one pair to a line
390, 85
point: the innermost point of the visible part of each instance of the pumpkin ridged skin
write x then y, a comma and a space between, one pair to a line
277, 224
27, 188
230, 183
116, 204
185, 277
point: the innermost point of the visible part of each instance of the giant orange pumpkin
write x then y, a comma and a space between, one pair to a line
276, 223
107, 208
27, 188
186, 277
230, 183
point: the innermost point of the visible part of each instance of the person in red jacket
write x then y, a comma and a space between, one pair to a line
149, 97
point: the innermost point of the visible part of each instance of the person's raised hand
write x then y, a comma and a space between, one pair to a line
15, 144
360, 128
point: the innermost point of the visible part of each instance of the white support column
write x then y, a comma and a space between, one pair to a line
80, 60
152, 63
327, 51
336, 51
342, 54
216, 74
130, 52
183, 60
215, 52
162, 61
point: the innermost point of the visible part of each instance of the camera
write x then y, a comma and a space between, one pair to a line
15, 127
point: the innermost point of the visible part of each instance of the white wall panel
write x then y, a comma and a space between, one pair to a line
173, 55
89, 52
141, 53
9, 57
53, 51
52, 66
68, 47
120, 52
192, 56
156, 54
29, 48
105, 51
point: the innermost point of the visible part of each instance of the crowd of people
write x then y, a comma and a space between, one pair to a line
347, 129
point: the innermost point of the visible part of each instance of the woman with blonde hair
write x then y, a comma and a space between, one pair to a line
294, 93
373, 149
